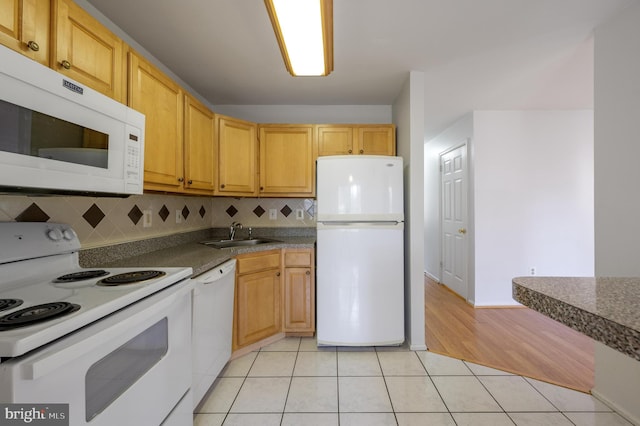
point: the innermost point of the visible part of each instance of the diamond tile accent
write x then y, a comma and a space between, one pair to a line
259, 211
231, 211
164, 213
135, 214
93, 215
286, 210
202, 211
185, 212
33, 213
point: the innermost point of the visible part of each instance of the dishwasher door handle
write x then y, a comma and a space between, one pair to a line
218, 273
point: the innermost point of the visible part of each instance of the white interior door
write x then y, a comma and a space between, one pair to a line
453, 165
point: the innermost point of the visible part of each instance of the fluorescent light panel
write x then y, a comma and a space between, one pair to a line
304, 30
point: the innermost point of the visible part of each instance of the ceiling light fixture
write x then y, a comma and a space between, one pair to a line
304, 29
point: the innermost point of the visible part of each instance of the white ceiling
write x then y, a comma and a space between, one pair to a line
475, 54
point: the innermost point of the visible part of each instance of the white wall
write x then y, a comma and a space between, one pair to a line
617, 145
533, 177
530, 202
309, 114
408, 115
617, 200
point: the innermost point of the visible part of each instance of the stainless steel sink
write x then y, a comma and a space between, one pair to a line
238, 243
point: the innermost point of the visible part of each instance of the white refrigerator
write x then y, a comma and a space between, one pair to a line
360, 250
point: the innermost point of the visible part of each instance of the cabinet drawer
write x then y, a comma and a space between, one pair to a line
258, 262
298, 258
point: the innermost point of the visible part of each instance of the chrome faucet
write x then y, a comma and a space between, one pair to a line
232, 229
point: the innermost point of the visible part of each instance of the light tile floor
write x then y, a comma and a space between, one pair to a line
293, 382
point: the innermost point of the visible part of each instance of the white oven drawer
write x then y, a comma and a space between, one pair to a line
131, 367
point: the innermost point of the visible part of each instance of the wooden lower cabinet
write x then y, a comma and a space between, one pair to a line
299, 292
268, 307
257, 313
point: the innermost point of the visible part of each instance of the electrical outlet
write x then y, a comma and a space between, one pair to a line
179, 217
273, 214
532, 270
147, 216
299, 214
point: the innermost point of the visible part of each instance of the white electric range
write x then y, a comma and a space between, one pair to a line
100, 340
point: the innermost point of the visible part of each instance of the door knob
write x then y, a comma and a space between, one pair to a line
462, 231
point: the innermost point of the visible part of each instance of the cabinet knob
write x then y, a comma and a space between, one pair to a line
189, 181
277, 274
308, 272
350, 151
65, 64
362, 151
180, 179
222, 186
262, 188
33, 45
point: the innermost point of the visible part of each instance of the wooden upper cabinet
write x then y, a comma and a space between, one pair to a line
86, 51
335, 140
237, 157
356, 139
25, 26
160, 99
376, 140
199, 146
287, 160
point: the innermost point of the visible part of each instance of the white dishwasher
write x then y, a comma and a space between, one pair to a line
211, 331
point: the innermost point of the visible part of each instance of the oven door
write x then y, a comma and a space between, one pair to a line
132, 367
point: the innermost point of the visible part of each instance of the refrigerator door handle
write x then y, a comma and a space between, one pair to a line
378, 225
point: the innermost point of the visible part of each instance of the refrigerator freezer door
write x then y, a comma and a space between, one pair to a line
360, 285
360, 188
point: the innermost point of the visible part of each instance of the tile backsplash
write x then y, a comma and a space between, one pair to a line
101, 221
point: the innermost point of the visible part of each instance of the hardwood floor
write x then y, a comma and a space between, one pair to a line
518, 340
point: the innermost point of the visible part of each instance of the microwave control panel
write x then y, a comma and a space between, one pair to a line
133, 157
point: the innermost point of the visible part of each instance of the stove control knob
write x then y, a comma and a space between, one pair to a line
54, 234
69, 234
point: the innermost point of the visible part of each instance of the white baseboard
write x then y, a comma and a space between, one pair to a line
431, 276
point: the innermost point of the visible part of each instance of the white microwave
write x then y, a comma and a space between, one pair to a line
58, 136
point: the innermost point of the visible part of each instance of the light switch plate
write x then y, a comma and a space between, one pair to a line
299, 214
179, 216
273, 214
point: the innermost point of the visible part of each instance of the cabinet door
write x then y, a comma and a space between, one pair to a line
257, 306
86, 51
160, 99
335, 140
25, 27
199, 138
287, 161
237, 157
376, 140
298, 300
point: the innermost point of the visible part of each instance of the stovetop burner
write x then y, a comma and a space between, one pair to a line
36, 314
82, 275
130, 278
6, 304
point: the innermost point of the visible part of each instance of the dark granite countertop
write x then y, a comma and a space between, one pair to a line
605, 309
186, 250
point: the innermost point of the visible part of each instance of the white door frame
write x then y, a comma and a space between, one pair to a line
459, 282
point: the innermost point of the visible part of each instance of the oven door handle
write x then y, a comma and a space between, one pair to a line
121, 327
